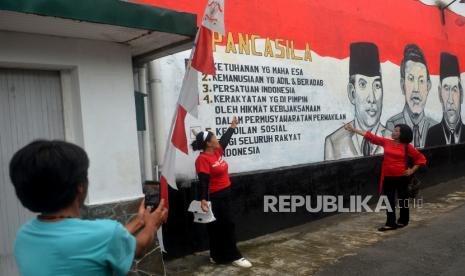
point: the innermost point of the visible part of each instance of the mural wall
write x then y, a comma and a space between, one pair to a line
294, 83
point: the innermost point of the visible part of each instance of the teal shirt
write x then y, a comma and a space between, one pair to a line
74, 247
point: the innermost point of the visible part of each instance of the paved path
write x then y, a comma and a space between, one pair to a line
349, 244
436, 248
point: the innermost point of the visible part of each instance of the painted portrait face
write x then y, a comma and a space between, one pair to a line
415, 86
366, 94
451, 99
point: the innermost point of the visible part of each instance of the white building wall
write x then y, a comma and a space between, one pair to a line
98, 96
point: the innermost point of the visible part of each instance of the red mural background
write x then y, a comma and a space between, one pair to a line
331, 25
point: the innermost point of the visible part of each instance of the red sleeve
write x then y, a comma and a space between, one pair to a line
202, 165
417, 157
374, 139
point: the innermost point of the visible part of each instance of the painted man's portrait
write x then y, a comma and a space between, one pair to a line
451, 129
415, 84
365, 92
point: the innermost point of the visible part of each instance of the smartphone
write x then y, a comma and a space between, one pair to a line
152, 194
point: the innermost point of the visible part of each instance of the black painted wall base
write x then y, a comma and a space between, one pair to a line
346, 177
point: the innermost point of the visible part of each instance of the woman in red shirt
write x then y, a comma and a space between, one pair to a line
215, 184
394, 172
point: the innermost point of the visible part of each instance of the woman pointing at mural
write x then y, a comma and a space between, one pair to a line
395, 171
215, 185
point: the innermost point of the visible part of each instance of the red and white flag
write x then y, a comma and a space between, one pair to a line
201, 61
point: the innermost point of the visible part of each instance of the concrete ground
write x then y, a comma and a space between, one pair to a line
349, 244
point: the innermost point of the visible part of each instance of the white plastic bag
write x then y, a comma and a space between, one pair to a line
200, 216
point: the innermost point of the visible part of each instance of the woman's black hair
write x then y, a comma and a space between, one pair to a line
406, 134
199, 143
46, 174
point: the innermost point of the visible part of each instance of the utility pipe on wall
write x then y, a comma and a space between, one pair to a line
158, 120
147, 147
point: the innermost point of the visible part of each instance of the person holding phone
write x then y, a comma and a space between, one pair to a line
212, 171
50, 178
